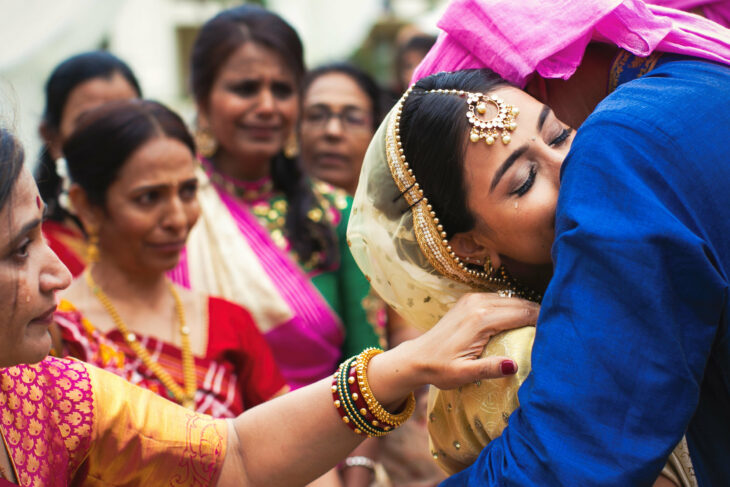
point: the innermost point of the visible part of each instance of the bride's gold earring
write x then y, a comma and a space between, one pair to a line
92, 247
488, 269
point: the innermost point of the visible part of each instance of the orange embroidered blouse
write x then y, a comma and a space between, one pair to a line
68, 423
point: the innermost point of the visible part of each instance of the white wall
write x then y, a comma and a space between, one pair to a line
37, 34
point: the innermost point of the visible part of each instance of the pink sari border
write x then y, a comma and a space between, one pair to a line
307, 347
314, 324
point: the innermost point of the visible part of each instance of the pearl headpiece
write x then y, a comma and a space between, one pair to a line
430, 233
502, 124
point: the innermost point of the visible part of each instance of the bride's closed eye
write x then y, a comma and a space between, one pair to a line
528, 182
561, 138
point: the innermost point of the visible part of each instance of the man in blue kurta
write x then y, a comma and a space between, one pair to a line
632, 348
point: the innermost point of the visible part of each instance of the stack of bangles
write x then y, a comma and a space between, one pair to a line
355, 402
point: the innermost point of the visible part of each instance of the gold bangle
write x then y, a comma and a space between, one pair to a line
385, 417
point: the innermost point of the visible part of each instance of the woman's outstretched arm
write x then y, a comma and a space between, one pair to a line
293, 439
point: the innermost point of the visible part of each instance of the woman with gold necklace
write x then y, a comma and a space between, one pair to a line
134, 189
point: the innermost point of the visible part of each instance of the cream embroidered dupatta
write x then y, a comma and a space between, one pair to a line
213, 265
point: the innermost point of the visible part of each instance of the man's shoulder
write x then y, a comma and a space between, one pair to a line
657, 141
679, 98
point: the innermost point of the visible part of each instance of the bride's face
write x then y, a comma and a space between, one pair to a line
513, 189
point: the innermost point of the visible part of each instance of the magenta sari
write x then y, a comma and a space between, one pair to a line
307, 345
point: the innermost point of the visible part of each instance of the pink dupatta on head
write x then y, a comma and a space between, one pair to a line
715, 10
518, 38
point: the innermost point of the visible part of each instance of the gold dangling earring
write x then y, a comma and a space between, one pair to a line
205, 142
291, 147
488, 269
92, 247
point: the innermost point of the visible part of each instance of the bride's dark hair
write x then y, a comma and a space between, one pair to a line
434, 133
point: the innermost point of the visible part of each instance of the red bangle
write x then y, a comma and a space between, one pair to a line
362, 406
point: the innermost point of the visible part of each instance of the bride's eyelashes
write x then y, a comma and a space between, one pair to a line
562, 137
527, 184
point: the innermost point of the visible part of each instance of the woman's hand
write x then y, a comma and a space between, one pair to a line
293, 439
449, 353
447, 356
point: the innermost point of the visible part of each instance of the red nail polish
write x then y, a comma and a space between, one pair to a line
508, 367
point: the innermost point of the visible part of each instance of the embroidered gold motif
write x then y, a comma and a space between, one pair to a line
46, 419
621, 63
203, 446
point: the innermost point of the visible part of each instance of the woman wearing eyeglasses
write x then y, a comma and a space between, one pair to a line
342, 107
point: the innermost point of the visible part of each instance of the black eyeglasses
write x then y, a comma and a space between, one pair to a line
351, 118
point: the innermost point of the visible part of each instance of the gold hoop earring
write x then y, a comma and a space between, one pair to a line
92, 247
488, 269
205, 142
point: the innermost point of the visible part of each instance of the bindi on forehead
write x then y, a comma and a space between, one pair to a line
38, 202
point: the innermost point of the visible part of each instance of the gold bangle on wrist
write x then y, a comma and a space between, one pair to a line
385, 417
355, 402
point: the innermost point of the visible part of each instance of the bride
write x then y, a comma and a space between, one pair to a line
433, 221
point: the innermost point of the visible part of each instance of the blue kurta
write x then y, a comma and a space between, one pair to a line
632, 346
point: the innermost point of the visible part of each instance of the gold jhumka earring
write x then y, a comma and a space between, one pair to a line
430, 233
291, 147
92, 246
205, 142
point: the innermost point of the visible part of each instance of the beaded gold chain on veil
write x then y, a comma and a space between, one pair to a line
430, 233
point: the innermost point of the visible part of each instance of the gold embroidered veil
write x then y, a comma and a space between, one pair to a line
384, 241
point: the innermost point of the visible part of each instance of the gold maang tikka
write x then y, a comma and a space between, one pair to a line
499, 126
430, 233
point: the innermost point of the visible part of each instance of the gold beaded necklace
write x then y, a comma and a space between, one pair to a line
185, 397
